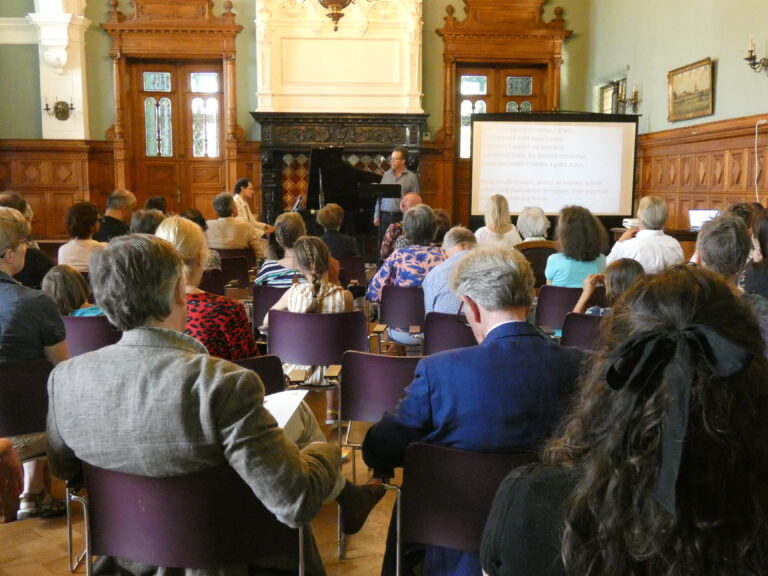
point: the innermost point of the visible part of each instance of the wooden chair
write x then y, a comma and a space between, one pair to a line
445, 332
447, 495
270, 371
205, 520
554, 302
537, 252
581, 330
87, 333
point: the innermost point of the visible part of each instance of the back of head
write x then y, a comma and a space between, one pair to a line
330, 217
496, 277
443, 224
581, 235
134, 279
224, 205
14, 229
81, 219
760, 233
409, 201
157, 203
146, 221
420, 225
652, 212
313, 257
532, 222
670, 436
185, 236
13, 200
121, 200
723, 244
196, 216
459, 235
67, 287
620, 275
743, 210
497, 216
289, 227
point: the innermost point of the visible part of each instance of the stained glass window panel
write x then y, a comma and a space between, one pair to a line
512, 106
473, 85
150, 125
165, 133
205, 127
157, 81
205, 82
519, 86
526, 106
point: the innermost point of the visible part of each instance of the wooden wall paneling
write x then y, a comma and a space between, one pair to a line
737, 171
702, 172
101, 172
687, 172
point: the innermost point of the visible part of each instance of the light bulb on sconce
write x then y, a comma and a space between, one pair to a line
752, 61
61, 110
633, 101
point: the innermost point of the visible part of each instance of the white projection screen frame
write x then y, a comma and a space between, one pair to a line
554, 160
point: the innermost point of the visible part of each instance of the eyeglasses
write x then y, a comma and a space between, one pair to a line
461, 318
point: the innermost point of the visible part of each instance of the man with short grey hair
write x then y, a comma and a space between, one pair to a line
438, 296
506, 394
117, 216
647, 243
227, 232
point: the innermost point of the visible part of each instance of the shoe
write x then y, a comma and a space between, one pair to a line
29, 505
51, 507
356, 504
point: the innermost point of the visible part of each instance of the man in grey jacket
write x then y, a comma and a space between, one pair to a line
156, 404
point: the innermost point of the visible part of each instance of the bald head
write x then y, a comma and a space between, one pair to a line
409, 201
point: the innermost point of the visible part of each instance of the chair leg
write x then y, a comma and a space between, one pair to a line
83, 501
398, 541
74, 560
301, 551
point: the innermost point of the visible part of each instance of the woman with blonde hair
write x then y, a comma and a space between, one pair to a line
498, 223
219, 323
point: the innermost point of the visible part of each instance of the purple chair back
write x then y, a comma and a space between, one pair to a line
235, 268
264, 297
213, 282
581, 331
447, 493
554, 302
402, 307
372, 384
445, 332
316, 339
247, 253
87, 333
537, 252
208, 519
23, 397
352, 268
270, 371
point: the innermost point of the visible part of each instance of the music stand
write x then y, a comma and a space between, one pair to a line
379, 191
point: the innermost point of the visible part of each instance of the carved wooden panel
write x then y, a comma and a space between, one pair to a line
718, 171
5, 174
703, 172
686, 172
737, 170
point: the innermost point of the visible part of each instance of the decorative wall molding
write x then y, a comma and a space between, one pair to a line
17, 31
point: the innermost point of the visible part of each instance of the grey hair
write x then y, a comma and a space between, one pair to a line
652, 212
458, 235
723, 245
532, 222
134, 278
420, 225
224, 204
121, 200
496, 277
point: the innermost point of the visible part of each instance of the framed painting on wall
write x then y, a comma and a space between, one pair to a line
690, 91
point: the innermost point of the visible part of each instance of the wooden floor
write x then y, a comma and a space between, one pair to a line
38, 547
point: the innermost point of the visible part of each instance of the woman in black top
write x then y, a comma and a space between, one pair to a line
660, 467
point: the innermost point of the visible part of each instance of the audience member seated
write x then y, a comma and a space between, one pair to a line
533, 224
505, 395
443, 225
283, 272
756, 271
67, 287
228, 232
218, 323
120, 206
498, 223
82, 224
582, 239
157, 203
212, 258
394, 236
30, 329
36, 262
722, 246
660, 467
410, 265
438, 296
243, 197
165, 407
647, 243
618, 277
340, 245
146, 221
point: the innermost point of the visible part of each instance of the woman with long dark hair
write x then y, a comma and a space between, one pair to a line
660, 468
756, 271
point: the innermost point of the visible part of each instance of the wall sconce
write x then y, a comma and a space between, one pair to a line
61, 110
752, 61
632, 102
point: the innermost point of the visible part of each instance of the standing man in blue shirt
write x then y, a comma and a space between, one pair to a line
389, 211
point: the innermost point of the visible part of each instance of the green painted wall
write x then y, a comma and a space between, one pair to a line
20, 97
101, 94
653, 37
16, 8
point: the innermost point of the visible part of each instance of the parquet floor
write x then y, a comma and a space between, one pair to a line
38, 547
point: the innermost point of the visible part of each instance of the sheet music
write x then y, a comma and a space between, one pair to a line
283, 405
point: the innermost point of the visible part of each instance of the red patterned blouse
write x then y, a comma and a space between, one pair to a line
221, 325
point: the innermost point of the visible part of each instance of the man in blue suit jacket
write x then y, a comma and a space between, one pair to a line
507, 394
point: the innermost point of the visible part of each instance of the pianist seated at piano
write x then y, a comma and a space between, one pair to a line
243, 196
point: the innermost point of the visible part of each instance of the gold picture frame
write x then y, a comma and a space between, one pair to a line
690, 91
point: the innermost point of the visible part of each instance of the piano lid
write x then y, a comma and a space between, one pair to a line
339, 180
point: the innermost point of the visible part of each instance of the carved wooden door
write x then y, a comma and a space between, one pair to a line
490, 89
178, 133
